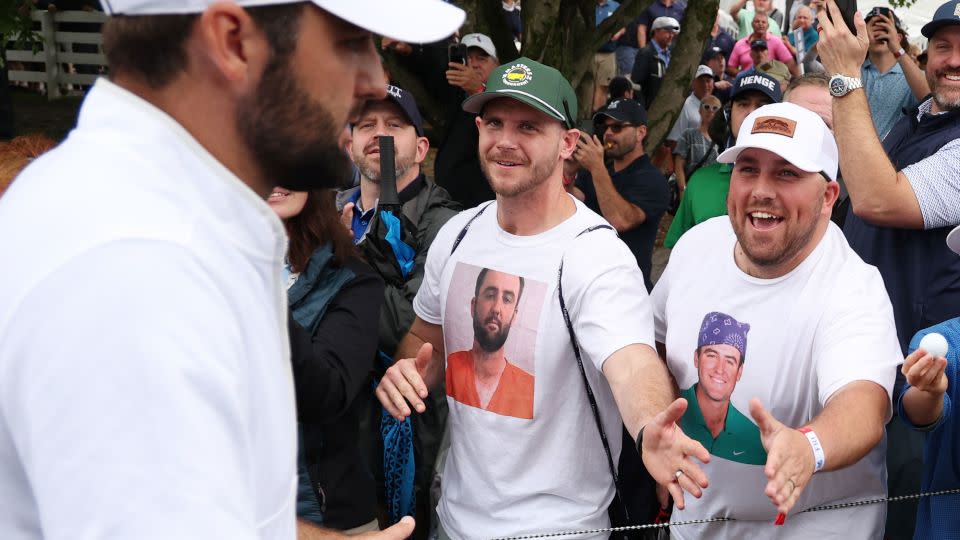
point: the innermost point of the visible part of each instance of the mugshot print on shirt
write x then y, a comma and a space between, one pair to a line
711, 418
491, 328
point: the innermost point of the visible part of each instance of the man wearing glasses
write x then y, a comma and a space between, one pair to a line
630, 193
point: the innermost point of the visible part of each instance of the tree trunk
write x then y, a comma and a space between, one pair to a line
563, 34
697, 23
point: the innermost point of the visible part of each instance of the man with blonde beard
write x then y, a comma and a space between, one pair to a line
526, 124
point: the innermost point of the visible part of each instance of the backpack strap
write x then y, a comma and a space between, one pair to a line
583, 374
463, 231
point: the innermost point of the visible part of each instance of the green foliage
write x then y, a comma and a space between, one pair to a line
16, 27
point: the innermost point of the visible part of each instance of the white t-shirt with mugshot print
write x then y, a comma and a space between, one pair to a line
507, 475
825, 324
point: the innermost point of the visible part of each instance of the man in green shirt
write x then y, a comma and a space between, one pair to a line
710, 417
706, 193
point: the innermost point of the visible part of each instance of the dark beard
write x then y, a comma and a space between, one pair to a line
489, 343
293, 139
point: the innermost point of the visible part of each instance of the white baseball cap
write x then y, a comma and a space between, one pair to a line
703, 70
953, 240
415, 21
665, 22
796, 134
480, 41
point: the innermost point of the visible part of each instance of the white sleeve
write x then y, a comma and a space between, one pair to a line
604, 291
936, 183
658, 300
122, 394
427, 302
858, 342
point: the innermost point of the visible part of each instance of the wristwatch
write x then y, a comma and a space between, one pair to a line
841, 85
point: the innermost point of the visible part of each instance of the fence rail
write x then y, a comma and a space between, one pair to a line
57, 51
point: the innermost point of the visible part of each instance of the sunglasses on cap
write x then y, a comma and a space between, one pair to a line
709, 107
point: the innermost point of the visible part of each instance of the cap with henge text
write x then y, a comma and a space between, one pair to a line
532, 83
403, 20
759, 82
947, 14
796, 134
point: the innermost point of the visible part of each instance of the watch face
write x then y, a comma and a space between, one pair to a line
838, 86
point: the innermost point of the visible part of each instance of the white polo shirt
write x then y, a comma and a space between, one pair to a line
145, 383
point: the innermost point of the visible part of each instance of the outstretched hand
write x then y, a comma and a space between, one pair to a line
402, 386
790, 461
402, 530
665, 454
926, 372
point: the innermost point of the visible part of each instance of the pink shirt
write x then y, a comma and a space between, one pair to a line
740, 57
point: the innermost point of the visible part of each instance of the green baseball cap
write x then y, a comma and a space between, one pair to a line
531, 83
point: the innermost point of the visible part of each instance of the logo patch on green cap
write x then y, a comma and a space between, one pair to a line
517, 75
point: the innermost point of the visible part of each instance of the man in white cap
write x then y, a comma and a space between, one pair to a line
653, 59
690, 114
146, 388
822, 340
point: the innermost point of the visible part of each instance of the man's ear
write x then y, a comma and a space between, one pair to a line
232, 46
830, 196
423, 146
568, 142
641, 134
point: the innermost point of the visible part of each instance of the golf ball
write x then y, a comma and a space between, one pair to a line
934, 344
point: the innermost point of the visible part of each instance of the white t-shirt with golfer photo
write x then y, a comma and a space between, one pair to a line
825, 324
507, 474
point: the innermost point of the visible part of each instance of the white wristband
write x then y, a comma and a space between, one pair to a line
818, 456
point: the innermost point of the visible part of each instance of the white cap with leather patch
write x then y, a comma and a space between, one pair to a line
415, 21
796, 134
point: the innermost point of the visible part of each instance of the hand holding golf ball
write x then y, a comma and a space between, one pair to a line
924, 368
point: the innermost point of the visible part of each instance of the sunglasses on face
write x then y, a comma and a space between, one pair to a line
708, 107
617, 128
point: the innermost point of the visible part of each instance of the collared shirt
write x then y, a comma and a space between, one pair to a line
936, 180
663, 54
605, 9
888, 94
361, 218
738, 441
658, 9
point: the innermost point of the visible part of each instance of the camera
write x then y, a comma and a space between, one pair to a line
457, 53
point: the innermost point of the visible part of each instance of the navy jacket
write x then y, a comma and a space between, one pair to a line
920, 272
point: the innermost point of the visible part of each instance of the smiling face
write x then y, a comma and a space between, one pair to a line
777, 211
943, 68
494, 308
520, 147
285, 203
719, 367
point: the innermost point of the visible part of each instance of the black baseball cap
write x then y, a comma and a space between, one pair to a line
946, 15
710, 54
626, 111
404, 99
759, 82
758, 44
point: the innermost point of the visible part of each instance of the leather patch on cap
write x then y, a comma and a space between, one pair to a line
777, 125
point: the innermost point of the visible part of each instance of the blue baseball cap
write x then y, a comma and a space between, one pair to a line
946, 15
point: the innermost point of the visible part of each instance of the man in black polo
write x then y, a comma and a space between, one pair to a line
630, 193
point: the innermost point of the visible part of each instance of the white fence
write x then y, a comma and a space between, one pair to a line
57, 52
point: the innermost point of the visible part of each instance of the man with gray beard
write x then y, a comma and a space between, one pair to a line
427, 205
631, 193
